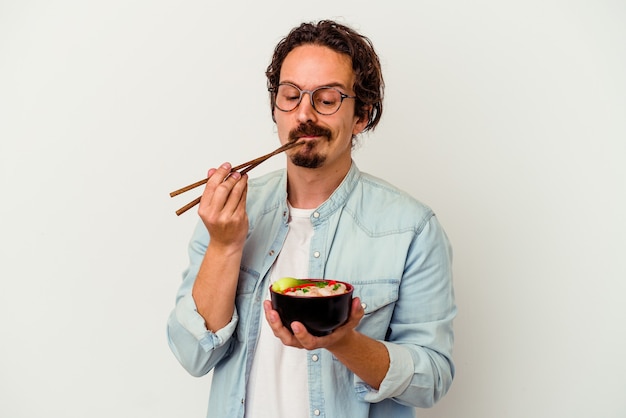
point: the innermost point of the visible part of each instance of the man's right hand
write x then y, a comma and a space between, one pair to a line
223, 207
223, 211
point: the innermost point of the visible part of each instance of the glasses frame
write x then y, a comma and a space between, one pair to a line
274, 91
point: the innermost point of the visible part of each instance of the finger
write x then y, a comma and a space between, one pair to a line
272, 316
356, 312
267, 308
216, 177
244, 194
209, 175
224, 196
301, 334
357, 307
282, 333
236, 198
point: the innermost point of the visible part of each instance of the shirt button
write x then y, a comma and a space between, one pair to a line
271, 253
364, 305
314, 357
316, 254
316, 214
316, 412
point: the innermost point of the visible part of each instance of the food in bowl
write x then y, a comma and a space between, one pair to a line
321, 305
309, 288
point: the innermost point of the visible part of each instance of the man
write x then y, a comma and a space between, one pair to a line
320, 217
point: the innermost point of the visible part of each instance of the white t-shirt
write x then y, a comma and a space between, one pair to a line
278, 383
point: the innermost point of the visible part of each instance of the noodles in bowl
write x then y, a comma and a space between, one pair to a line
320, 305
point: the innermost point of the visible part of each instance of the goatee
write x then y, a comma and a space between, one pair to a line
308, 161
304, 157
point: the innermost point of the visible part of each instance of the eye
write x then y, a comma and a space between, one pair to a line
327, 97
288, 93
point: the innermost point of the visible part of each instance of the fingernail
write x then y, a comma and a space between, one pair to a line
226, 166
236, 175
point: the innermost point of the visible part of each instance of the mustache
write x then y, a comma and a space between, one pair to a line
308, 129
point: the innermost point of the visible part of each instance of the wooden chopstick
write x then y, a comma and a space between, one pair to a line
245, 167
197, 199
188, 206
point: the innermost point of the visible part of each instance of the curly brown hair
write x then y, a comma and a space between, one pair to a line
368, 86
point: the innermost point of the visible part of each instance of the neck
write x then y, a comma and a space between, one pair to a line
307, 188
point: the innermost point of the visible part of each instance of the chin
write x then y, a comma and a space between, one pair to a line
308, 161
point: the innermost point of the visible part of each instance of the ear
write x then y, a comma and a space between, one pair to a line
361, 122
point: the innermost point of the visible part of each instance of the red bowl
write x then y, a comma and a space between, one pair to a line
319, 314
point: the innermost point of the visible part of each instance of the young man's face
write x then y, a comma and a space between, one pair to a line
328, 137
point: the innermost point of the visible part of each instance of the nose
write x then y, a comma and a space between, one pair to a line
305, 111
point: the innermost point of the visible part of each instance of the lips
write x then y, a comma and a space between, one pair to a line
306, 138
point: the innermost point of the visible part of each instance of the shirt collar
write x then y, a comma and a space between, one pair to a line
336, 200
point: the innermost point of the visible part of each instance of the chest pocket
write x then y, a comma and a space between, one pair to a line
378, 297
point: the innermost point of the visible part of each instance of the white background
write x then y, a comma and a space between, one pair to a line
508, 118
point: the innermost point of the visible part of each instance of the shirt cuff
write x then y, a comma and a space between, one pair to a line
396, 380
189, 318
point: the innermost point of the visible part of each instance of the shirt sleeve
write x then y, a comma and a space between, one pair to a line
189, 318
396, 380
421, 369
197, 349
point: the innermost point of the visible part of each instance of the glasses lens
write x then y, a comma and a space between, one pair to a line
287, 97
326, 100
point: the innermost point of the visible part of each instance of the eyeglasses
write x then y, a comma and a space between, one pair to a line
325, 100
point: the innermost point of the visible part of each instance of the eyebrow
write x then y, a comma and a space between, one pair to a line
331, 84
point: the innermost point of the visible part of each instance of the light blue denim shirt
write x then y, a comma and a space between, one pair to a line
368, 233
